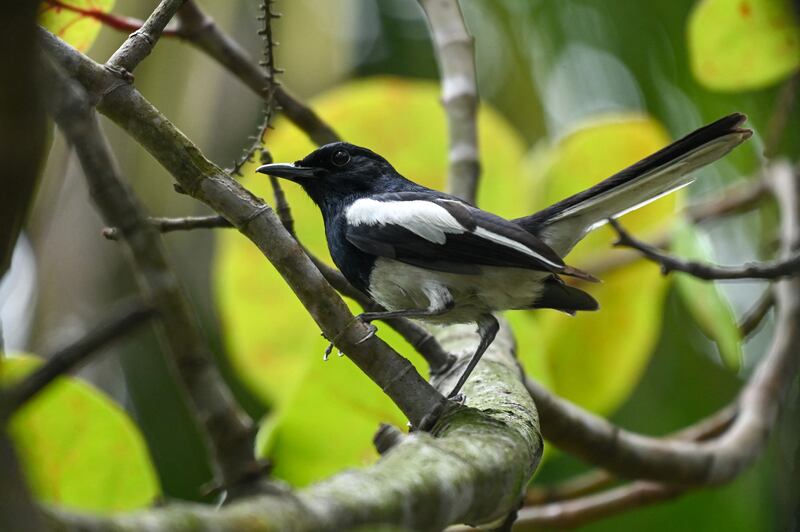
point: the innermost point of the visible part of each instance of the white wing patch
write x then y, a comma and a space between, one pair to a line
423, 218
508, 242
427, 220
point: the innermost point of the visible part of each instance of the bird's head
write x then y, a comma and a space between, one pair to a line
338, 171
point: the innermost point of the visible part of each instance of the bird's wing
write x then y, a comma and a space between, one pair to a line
444, 234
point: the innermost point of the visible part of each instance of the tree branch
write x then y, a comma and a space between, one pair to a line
455, 50
423, 341
203, 180
756, 314
631, 455
140, 43
787, 266
121, 322
575, 512
229, 432
596, 479
473, 471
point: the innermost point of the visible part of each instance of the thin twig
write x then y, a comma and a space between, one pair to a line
455, 50
268, 90
282, 208
735, 200
710, 272
168, 225
200, 30
756, 314
65, 360
141, 42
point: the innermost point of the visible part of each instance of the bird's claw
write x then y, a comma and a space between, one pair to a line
327, 352
370, 333
458, 398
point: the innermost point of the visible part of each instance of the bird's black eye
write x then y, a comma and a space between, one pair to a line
340, 158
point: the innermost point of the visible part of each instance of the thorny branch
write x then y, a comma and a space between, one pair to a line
455, 50
270, 85
201, 31
67, 359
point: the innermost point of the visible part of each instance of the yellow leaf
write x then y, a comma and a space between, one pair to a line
79, 449
743, 44
75, 21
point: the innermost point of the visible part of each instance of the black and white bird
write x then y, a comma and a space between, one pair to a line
427, 255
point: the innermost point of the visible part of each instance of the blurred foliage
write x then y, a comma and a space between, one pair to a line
708, 306
78, 448
743, 44
68, 19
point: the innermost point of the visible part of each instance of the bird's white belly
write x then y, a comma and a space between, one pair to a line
399, 286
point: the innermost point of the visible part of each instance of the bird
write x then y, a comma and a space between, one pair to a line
423, 254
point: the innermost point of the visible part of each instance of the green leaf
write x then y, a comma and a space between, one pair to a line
704, 299
743, 44
596, 358
326, 413
73, 20
77, 447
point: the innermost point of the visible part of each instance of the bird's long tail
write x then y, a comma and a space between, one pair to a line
564, 224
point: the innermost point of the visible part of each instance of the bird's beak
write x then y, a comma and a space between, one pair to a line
287, 171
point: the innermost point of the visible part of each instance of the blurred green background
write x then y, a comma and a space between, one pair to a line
572, 91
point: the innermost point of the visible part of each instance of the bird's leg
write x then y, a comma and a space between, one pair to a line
487, 329
437, 308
